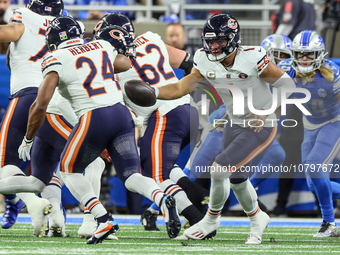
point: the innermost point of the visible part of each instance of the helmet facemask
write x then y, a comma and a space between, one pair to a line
313, 63
277, 55
227, 50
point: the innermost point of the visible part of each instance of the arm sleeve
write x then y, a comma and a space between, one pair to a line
49, 64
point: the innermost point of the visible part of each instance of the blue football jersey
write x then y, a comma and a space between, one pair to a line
323, 104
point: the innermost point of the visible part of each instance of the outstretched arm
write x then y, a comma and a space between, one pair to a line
180, 88
180, 59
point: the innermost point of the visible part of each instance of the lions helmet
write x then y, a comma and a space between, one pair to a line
116, 19
46, 7
119, 38
277, 47
221, 27
307, 43
60, 30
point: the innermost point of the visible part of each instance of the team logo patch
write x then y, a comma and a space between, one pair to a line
211, 75
63, 35
232, 23
243, 76
322, 93
228, 76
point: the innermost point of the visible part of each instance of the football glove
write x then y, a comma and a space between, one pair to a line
25, 149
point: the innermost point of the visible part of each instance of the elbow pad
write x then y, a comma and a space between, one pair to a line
187, 64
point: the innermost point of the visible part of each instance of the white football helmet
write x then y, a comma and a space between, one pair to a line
307, 42
279, 44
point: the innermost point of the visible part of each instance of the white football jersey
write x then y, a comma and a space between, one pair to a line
244, 73
27, 53
86, 75
151, 65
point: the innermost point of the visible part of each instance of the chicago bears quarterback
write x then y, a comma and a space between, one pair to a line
223, 61
320, 145
26, 32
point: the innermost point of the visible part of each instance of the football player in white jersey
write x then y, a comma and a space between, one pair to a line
46, 150
26, 32
223, 61
170, 125
96, 101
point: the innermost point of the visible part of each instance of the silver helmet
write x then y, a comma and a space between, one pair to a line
277, 47
307, 43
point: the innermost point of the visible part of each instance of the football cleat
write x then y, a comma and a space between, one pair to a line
327, 230
204, 229
258, 223
56, 223
11, 213
39, 213
148, 220
171, 218
88, 227
102, 231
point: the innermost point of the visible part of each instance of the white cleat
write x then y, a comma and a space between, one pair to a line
39, 213
327, 230
259, 223
56, 223
88, 227
204, 229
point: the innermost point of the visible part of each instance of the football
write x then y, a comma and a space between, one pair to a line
140, 93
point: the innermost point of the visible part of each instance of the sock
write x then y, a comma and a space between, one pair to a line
145, 186
323, 191
219, 193
192, 214
82, 190
195, 193
93, 172
246, 196
173, 189
52, 192
10, 171
21, 183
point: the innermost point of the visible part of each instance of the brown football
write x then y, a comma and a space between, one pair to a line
140, 93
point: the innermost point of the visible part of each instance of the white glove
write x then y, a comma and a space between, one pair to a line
25, 149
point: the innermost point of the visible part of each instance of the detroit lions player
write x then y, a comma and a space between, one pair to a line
278, 47
322, 128
223, 61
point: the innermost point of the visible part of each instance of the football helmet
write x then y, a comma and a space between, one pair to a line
221, 27
277, 47
117, 19
119, 38
46, 7
307, 43
60, 30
